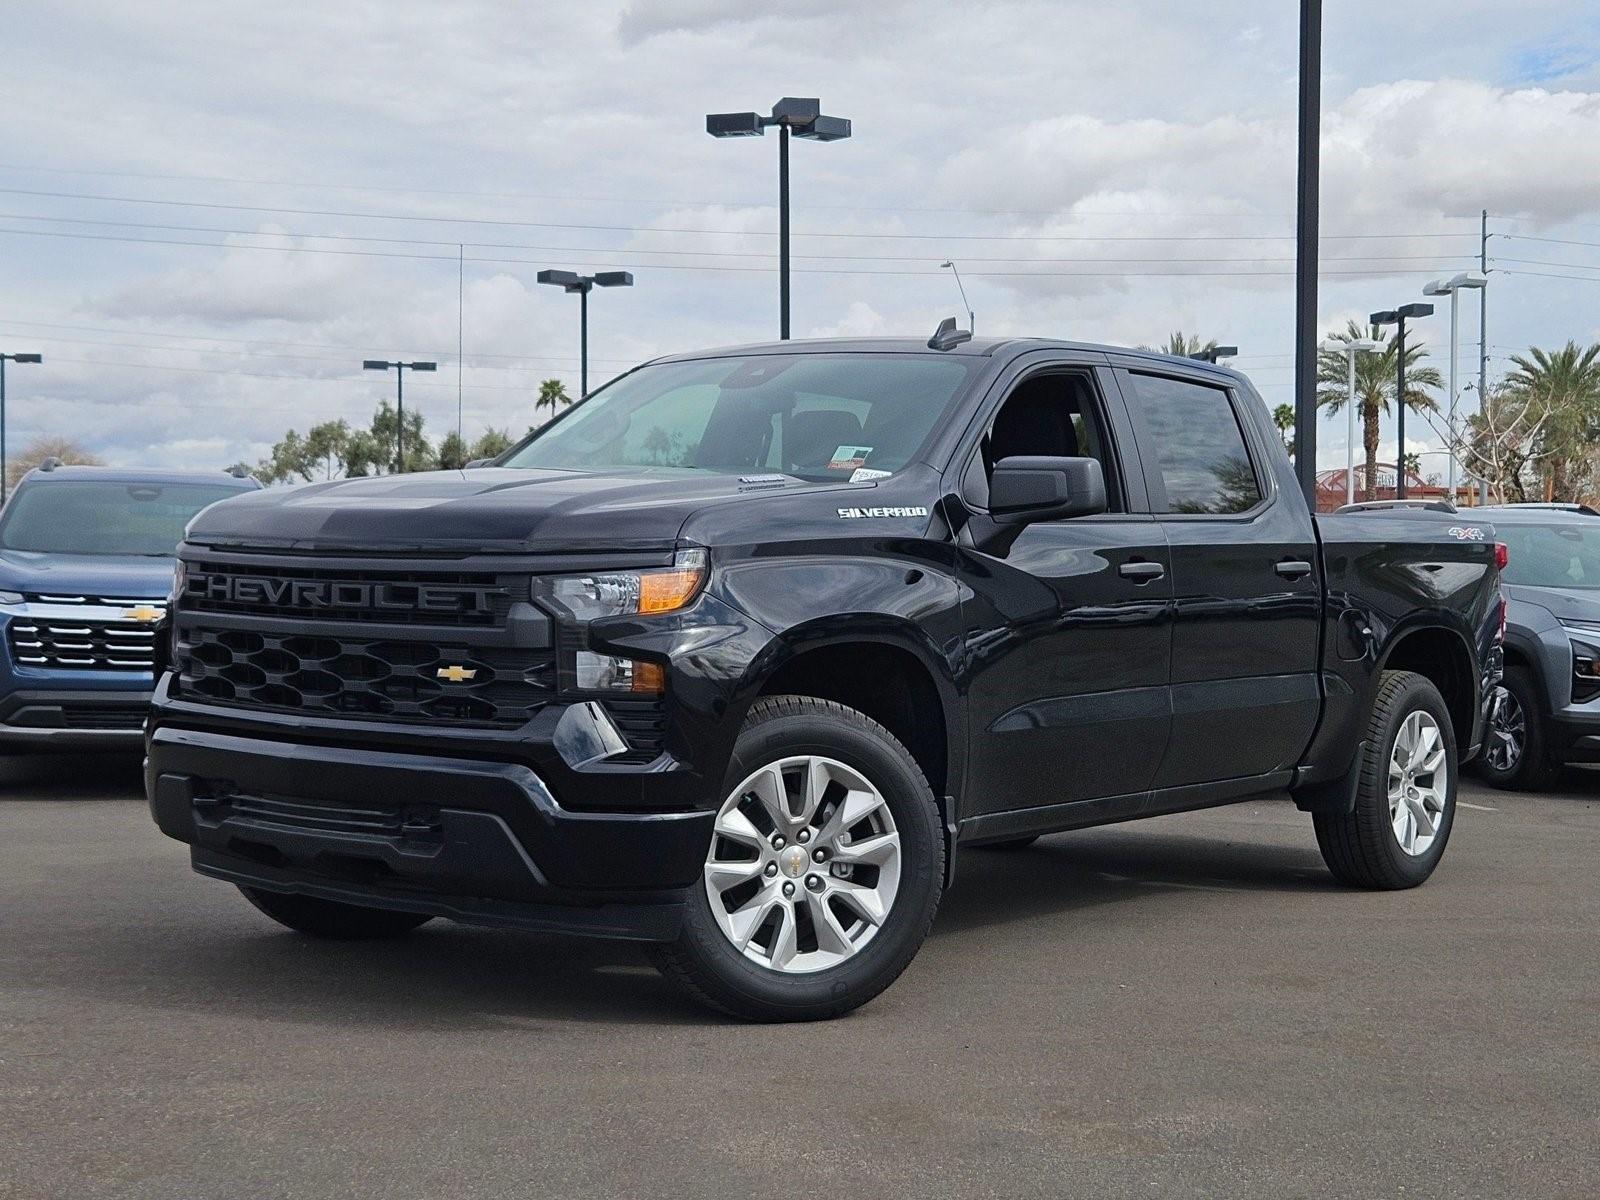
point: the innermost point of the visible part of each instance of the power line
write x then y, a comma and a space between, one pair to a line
935, 237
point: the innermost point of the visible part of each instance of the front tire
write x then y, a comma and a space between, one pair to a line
824, 871
1515, 751
1406, 795
330, 919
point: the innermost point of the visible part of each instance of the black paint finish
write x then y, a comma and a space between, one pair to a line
1095, 669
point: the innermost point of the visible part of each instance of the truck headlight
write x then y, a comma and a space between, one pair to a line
626, 593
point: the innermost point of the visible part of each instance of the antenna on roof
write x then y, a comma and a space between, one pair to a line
50, 464
239, 471
947, 336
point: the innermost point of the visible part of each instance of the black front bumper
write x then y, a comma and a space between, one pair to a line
475, 840
48, 719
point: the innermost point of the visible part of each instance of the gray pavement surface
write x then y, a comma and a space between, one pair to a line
1184, 1007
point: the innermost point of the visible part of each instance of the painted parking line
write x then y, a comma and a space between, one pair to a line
1479, 807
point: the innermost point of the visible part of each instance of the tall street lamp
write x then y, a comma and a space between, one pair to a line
803, 117
570, 281
972, 319
1398, 317
400, 369
1350, 349
1211, 353
4, 359
1452, 287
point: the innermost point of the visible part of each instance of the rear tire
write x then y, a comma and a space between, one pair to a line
823, 875
330, 919
1516, 755
1401, 822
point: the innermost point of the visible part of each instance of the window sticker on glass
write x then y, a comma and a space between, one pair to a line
863, 474
849, 458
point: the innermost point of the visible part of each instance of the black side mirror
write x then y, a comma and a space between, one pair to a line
477, 462
1029, 488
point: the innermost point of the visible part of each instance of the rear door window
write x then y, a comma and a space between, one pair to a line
1198, 445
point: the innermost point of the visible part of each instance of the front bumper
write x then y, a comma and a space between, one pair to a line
48, 719
476, 840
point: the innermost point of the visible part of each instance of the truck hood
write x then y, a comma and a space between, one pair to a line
119, 576
488, 509
1571, 604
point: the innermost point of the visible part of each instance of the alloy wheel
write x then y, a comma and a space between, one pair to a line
1419, 780
804, 864
1508, 731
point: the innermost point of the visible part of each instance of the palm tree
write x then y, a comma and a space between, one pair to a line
552, 392
1182, 345
1568, 383
1375, 386
1283, 418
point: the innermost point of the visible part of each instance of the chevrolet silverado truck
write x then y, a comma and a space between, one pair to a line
86, 563
736, 656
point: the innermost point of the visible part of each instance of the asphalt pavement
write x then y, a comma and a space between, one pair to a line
1184, 1007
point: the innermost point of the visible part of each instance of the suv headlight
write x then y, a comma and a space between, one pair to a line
626, 593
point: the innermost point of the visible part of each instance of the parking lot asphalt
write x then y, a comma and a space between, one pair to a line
1188, 1007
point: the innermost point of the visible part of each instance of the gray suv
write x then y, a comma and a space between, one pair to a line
1546, 710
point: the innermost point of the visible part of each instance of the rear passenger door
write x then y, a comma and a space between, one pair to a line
1246, 588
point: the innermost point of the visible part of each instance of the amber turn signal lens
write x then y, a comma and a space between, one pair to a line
665, 591
649, 677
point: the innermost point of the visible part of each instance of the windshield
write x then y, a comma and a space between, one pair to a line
104, 517
817, 416
1564, 556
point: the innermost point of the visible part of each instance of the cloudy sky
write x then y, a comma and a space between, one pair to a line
210, 213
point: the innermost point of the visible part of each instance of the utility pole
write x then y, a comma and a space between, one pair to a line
1483, 337
1306, 230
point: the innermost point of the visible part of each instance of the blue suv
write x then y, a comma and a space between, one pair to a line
86, 568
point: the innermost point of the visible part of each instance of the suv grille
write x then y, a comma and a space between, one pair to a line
83, 645
338, 676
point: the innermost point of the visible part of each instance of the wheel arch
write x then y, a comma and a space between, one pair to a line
1444, 657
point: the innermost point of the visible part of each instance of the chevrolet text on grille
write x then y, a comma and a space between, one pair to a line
328, 593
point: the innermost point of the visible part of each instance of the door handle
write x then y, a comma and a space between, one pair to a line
1293, 568
1141, 572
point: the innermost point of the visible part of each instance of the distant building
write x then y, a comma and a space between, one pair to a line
1331, 487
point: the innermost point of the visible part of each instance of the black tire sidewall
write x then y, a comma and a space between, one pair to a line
811, 727
1417, 693
1532, 768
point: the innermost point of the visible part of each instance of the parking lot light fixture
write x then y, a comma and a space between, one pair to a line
1453, 287
1350, 349
4, 359
1398, 317
802, 116
572, 282
400, 369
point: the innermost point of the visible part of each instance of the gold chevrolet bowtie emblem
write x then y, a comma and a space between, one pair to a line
456, 673
143, 614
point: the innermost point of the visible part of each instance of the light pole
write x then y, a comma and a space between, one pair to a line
1397, 317
1452, 287
802, 116
972, 319
571, 281
4, 359
400, 369
1211, 353
1350, 349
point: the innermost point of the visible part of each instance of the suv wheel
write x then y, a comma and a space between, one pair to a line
1514, 753
1406, 794
329, 918
824, 871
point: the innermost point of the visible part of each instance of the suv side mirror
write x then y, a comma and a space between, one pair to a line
1029, 488
476, 462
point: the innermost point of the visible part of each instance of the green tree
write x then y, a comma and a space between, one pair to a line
456, 452
1567, 381
1283, 418
1181, 345
1375, 386
552, 394
332, 449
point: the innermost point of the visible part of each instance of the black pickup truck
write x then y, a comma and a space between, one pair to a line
737, 655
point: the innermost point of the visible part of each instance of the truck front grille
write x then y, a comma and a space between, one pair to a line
428, 681
370, 595
82, 645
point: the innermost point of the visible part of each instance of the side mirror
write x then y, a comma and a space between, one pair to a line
1029, 488
476, 462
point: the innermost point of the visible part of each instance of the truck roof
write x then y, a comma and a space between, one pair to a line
42, 474
997, 348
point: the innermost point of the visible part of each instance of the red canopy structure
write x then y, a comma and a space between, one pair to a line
1331, 487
